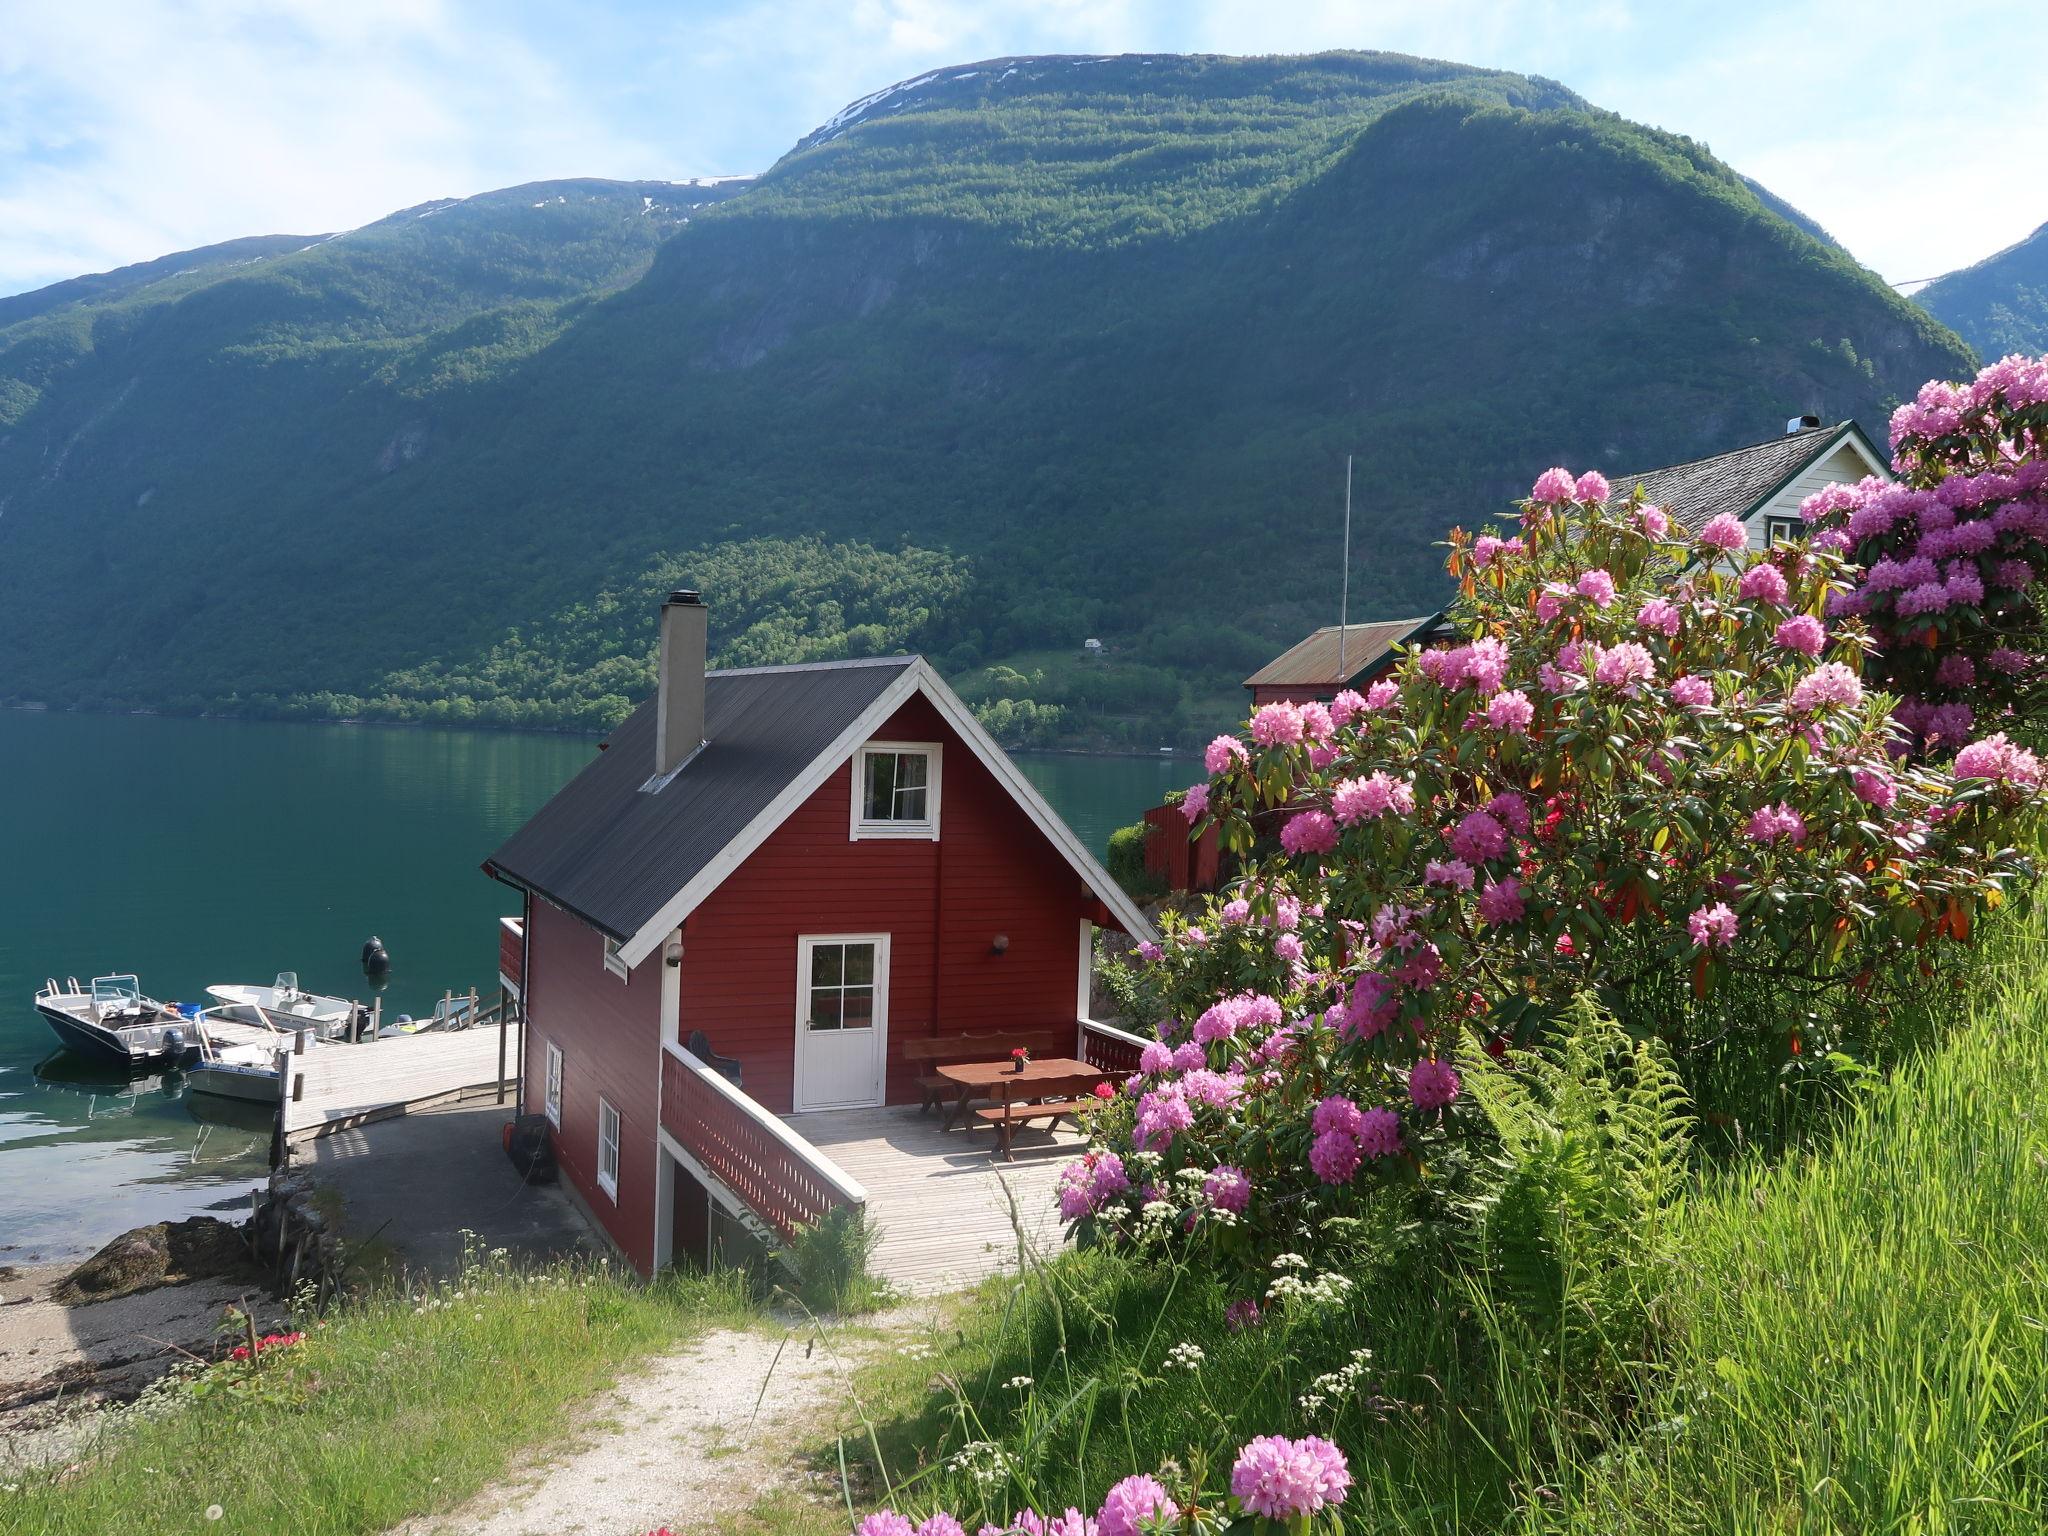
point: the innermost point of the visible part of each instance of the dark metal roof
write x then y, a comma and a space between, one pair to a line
614, 854
1738, 481
1314, 662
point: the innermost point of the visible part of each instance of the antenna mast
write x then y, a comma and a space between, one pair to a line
1344, 601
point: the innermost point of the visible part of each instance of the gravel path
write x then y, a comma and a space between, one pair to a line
688, 1443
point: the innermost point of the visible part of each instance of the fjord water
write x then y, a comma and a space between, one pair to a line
201, 851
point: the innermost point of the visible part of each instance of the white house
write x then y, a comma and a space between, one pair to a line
1762, 483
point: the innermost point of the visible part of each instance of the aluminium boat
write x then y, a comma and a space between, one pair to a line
284, 1004
113, 1022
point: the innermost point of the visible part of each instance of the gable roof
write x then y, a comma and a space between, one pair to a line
634, 862
1742, 479
1314, 662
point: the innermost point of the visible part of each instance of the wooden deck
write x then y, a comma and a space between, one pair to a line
938, 1196
330, 1087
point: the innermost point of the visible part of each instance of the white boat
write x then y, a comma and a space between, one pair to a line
238, 1059
113, 1022
285, 1004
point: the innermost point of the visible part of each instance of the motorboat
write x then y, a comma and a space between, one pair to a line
110, 1020
286, 1005
240, 1059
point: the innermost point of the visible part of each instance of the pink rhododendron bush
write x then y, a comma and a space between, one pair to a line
1276, 1484
1949, 557
1652, 768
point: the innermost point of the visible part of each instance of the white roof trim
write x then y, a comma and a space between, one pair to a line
771, 816
918, 677
1043, 816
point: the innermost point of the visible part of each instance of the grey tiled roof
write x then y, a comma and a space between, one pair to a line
614, 855
1700, 490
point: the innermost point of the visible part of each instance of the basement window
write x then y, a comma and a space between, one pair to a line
896, 790
551, 1087
608, 1150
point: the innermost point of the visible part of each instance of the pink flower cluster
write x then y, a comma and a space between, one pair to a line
1356, 800
1432, 1084
1089, 1184
1227, 1188
1829, 684
1501, 902
1245, 1010
1345, 1134
1284, 1479
1999, 760
1477, 838
1137, 1506
1310, 832
1712, 927
1951, 552
1770, 823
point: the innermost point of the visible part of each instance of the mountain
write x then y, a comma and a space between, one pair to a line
1006, 357
106, 285
2000, 305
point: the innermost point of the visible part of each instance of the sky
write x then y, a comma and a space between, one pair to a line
132, 128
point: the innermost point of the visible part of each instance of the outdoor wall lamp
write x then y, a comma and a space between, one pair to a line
1000, 944
672, 954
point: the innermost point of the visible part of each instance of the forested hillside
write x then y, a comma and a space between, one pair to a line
1017, 355
2000, 305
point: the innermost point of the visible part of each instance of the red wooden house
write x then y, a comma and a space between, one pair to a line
797, 869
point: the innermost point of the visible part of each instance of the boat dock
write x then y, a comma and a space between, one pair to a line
329, 1088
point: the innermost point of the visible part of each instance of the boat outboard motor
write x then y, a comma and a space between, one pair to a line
174, 1045
376, 958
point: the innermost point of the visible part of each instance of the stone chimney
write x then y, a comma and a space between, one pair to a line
679, 703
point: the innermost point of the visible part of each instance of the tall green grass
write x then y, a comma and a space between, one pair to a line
400, 1404
1850, 1338
1862, 1334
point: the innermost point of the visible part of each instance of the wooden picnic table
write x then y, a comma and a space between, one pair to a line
1053, 1077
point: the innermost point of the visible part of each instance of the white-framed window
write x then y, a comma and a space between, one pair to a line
608, 1149
896, 790
1782, 530
613, 961
551, 1085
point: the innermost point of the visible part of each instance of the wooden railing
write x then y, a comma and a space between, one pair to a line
512, 950
1110, 1049
774, 1172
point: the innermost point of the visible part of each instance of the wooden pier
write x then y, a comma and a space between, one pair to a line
326, 1088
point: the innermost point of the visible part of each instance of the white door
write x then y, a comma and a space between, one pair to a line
842, 1019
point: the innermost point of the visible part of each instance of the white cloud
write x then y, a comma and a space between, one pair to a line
131, 127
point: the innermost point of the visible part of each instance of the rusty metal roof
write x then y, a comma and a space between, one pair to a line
1314, 662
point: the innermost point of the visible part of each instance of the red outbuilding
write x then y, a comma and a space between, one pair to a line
769, 881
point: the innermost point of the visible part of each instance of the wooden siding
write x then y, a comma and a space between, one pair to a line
1185, 863
1844, 466
942, 902
609, 1033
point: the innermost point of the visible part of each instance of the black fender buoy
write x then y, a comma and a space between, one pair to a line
376, 958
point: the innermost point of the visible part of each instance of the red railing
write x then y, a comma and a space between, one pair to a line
1110, 1049
774, 1172
512, 950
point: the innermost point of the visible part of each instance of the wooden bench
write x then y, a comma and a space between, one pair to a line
1005, 1118
940, 1050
